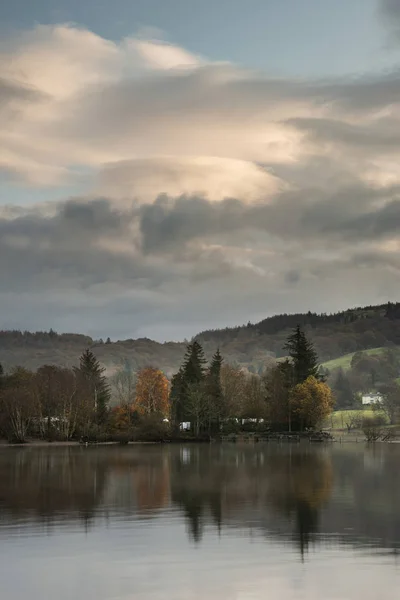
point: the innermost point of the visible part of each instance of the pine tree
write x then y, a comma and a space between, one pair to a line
304, 358
177, 398
193, 364
92, 372
214, 390
190, 375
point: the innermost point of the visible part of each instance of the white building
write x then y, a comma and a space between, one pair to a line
369, 399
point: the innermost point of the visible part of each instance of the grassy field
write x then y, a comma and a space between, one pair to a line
345, 360
339, 418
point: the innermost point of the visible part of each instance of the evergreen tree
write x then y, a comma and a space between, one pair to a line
214, 390
93, 373
193, 364
190, 375
304, 358
177, 398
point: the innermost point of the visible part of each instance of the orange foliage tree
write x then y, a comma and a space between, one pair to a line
121, 417
312, 401
152, 392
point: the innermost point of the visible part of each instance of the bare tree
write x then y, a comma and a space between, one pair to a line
353, 420
123, 385
18, 403
390, 403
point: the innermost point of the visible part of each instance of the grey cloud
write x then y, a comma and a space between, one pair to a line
81, 285
390, 10
301, 216
168, 222
64, 249
12, 90
382, 135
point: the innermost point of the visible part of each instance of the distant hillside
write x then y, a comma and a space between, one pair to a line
252, 345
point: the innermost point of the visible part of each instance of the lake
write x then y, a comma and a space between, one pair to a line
200, 522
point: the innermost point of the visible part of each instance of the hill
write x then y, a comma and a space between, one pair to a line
344, 362
254, 346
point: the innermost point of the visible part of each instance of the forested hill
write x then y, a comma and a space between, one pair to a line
251, 345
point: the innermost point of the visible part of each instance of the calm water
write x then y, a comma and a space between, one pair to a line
191, 523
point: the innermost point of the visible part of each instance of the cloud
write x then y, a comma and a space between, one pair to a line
203, 185
390, 10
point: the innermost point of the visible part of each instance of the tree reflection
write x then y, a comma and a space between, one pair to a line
43, 485
277, 491
301, 486
244, 487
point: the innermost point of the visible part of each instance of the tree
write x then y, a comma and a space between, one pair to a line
92, 372
353, 419
177, 399
214, 390
70, 405
342, 390
123, 383
233, 382
152, 394
390, 403
191, 373
277, 384
304, 358
48, 386
254, 398
193, 364
18, 403
198, 407
374, 430
312, 401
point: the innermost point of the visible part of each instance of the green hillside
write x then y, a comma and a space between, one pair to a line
344, 361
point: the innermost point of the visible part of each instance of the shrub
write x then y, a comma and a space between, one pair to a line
373, 428
152, 428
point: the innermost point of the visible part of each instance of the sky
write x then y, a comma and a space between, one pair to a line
167, 167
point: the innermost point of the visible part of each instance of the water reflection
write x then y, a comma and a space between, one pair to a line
298, 494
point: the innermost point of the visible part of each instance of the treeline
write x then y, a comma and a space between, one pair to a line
333, 335
276, 323
252, 346
59, 403
290, 396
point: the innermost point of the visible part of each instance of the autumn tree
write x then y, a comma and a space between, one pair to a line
152, 394
91, 372
303, 356
311, 401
